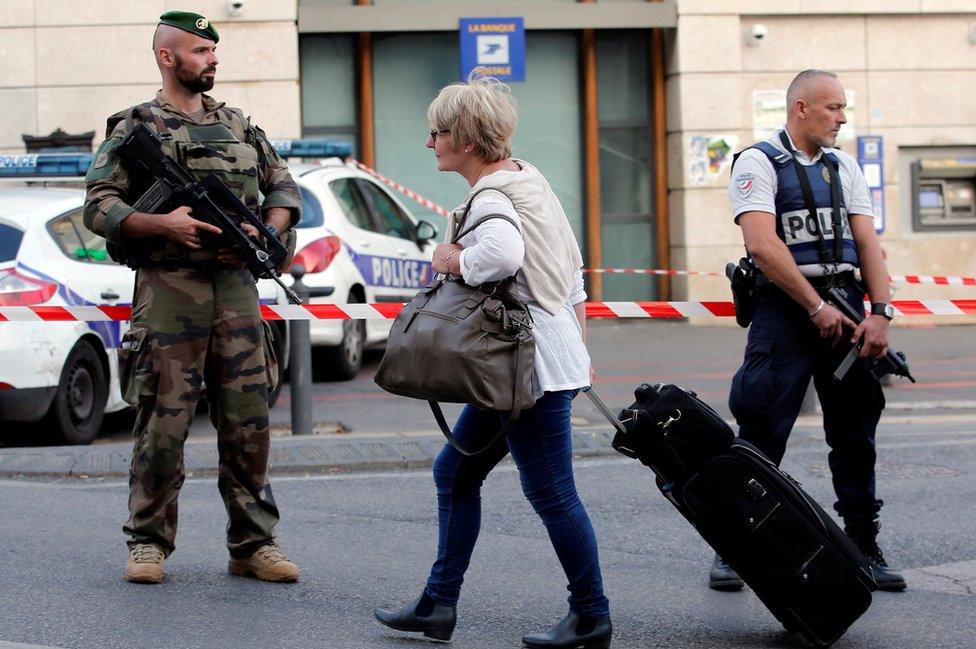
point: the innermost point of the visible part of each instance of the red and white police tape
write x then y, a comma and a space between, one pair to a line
941, 280
389, 310
431, 205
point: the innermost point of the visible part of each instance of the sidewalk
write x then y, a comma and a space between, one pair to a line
384, 438
289, 455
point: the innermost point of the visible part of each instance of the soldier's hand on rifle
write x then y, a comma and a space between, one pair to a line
831, 322
873, 332
181, 227
230, 256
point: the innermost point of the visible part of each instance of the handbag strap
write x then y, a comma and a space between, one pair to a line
467, 209
513, 416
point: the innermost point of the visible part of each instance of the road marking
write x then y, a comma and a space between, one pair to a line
957, 578
17, 645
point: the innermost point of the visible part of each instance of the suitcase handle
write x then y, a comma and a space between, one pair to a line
606, 412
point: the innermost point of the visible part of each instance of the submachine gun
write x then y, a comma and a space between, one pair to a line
893, 362
210, 199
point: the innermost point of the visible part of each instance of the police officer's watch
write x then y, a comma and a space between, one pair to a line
881, 308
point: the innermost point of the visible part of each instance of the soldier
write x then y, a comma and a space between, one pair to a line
195, 314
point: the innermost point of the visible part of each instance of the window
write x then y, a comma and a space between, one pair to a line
76, 241
392, 221
328, 74
312, 215
351, 202
411, 68
10, 238
626, 178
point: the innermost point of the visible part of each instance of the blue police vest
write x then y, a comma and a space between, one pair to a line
795, 226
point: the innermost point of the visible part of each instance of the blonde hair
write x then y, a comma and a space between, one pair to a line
481, 112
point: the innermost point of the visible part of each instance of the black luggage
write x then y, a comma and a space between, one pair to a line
792, 554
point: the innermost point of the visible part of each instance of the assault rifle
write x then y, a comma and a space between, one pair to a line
210, 199
893, 362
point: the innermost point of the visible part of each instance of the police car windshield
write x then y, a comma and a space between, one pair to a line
311, 210
10, 238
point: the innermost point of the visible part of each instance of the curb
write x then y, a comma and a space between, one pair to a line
289, 456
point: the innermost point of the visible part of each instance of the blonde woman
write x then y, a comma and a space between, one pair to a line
471, 127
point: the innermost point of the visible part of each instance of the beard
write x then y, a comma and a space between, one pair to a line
193, 82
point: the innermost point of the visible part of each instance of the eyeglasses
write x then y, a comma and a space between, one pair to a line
434, 134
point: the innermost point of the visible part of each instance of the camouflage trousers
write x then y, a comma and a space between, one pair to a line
193, 327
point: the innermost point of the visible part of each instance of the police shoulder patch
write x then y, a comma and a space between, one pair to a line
744, 183
101, 160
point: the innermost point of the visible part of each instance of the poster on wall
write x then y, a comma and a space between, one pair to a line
493, 46
870, 156
769, 115
709, 157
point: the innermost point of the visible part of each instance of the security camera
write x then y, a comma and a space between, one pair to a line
757, 32
235, 7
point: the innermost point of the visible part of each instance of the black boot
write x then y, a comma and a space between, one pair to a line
423, 615
864, 533
722, 577
574, 632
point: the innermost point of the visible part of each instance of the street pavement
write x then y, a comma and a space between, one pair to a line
359, 516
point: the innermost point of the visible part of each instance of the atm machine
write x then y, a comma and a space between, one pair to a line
944, 193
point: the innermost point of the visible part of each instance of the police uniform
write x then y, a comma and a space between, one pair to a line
784, 348
194, 320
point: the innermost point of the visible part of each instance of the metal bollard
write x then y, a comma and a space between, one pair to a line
300, 362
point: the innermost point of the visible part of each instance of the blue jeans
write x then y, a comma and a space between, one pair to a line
541, 444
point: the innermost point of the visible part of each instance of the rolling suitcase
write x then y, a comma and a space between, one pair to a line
791, 553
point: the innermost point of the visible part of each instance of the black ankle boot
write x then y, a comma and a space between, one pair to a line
864, 533
574, 632
722, 577
423, 615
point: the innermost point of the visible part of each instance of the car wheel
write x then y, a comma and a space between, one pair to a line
279, 349
342, 362
76, 413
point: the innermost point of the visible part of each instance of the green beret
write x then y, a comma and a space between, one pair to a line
190, 22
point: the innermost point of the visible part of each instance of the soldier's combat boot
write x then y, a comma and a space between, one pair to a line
145, 564
722, 577
268, 563
864, 533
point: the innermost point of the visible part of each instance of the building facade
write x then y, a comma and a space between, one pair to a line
633, 109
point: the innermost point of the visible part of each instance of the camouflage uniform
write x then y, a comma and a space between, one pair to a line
194, 321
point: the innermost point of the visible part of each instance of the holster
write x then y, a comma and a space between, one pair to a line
743, 280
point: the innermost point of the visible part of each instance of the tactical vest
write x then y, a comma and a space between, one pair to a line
796, 225
227, 148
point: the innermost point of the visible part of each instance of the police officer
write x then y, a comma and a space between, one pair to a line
806, 218
195, 314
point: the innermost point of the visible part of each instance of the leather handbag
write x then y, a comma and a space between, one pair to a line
463, 344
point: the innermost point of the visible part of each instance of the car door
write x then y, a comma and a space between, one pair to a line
93, 277
369, 250
409, 269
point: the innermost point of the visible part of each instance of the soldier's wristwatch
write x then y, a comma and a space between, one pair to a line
274, 230
881, 308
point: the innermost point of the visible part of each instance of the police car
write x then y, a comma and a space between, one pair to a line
63, 373
357, 243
